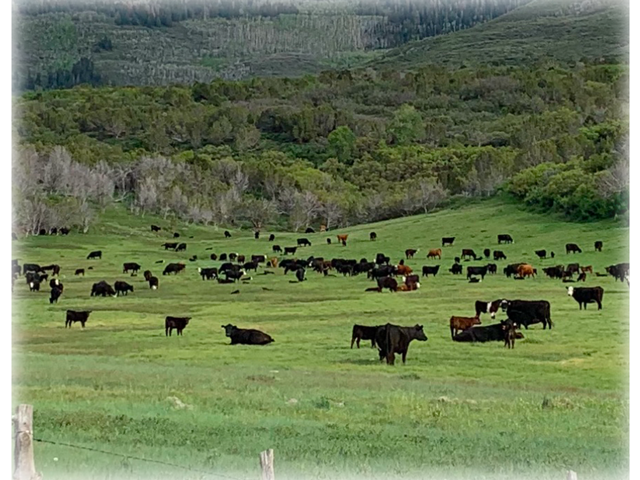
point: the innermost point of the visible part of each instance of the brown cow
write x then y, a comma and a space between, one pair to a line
274, 262
410, 252
462, 323
403, 270
435, 252
587, 269
343, 239
525, 270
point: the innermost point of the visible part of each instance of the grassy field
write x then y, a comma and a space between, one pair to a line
557, 401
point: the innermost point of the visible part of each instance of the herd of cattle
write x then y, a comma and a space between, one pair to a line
390, 339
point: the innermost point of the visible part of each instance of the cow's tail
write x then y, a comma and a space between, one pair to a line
388, 340
549, 316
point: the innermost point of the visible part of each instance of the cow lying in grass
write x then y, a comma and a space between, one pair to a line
246, 336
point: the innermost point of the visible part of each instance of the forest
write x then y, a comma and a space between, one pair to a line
339, 148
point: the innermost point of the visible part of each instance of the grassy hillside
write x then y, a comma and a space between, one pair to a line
565, 31
557, 401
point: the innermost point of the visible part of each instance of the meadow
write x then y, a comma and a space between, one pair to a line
558, 401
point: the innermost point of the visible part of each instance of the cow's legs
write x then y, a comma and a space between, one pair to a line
599, 305
391, 358
404, 357
373, 343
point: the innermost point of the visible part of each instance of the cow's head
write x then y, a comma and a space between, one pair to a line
570, 291
186, 320
419, 333
476, 320
503, 305
229, 329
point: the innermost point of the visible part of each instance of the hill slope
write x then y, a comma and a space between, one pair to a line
565, 31
454, 410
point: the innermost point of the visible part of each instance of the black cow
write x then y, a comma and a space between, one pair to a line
488, 307
487, 253
79, 271
456, 259
153, 283
541, 254
584, 295
489, 333
388, 282
64, 231
96, 254
208, 273
290, 250
373, 236
303, 242
363, 332
272, 237
55, 269
426, 270
505, 238
234, 275
392, 339
233, 256
223, 257
134, 267
155, 228
73, 316
177, 323
256, 235
181, 247
619, 271
53, 231
554, 272
447, 240
482, 271
174, 268
598, 246
34, 285
381, 259
122, 288
456, 269
381, 271
55, 294
572, 248
176, 235
309, 230
528, 312
511, 269
55, 283
103, 289
300, 274
499, 255
251, 266
572, 268
492, 268
260, 258
171, 246
467, 252
243, 336
276, 249
42, 231
213, 256
147, 275
227, 234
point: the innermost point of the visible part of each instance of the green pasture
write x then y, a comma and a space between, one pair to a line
558, 401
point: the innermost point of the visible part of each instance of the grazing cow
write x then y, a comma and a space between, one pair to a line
528, 312
488, 307
467, 252
79, 271
598, 246
34, 285
343, 239
525, 270
456, 269
227, 234
573, 268
490, 333
511, 269
181, 247
381, 259
256, 235
410, 252
309, 230
147, 275
155, 228
251, 266
177, 323
208, 273
303, 242
174, 268
426, 270
234, 275
586, 269
388, 282
122, 288
392, 339
290, 250
572, 248
462, 323
55, 269
619, 271
73, 316
193, 258
499, 255
363, 332
153, 283
447, 241
403, 270
584, 295
505, 238
373, 236
541, 254
55, 294
244, 336
103, 289
276, 249
482, 271
272, 237
492, 268
435, 252
96, 254
168, 246
554, 272
300, 274
134, 267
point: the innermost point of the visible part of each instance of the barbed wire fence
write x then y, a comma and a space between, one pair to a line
24, 463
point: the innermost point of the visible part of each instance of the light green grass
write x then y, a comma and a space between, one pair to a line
453, 409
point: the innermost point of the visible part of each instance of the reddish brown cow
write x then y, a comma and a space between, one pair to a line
462, 323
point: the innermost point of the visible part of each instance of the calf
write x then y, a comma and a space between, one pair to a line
290, 250
73, 316
122, 288
234, 275
227, 234
176, 235
303, 242
133, 267
584, 295
328, 241
499, 255
426, 270
208, 273
373, 236
363, 332
153, 283
482, 271
242, 336
392, 339
64, 231
177, 323
462, 323
447, 241
586, 269
572, 268
435, 252
505, 238
96, 254
410, 252
598, 246
572, 248
80, 271
403, 270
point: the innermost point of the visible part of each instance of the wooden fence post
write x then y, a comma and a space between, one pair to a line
266, 462
571, 475
25, 468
